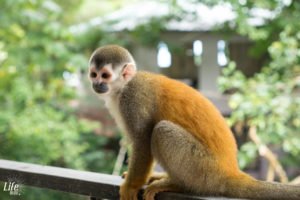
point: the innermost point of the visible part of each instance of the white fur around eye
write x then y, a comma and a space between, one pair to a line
113, 73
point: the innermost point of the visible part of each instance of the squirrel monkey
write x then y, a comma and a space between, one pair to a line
174, 124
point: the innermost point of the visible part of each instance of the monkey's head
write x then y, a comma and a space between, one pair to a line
110, 68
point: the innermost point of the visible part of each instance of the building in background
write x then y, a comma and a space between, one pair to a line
191, 49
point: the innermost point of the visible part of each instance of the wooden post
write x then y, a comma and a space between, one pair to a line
209, 70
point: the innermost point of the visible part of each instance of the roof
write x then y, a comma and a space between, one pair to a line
199, 17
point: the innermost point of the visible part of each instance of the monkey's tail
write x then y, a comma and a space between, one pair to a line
247, 187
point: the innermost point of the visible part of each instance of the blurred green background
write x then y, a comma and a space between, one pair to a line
45, 114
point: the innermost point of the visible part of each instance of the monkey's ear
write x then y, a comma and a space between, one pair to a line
128, 71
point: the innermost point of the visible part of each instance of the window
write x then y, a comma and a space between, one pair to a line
222, 59
197, 52
164, 58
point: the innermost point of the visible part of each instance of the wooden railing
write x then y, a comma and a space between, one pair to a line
94, 185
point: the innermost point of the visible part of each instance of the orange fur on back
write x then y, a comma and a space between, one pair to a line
186, 107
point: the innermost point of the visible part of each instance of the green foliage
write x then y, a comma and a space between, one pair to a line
96, 157
247, 154
152, 30
270, 99
37, 122
34, 118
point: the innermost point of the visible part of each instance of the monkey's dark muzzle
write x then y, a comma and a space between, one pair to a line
100, 88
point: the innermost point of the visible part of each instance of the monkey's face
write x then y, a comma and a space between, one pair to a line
109, 79
111, 67
102, 78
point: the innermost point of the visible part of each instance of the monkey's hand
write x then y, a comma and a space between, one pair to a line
128, 192
153, 177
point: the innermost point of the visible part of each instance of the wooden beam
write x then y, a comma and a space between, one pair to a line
67, 180
91, 184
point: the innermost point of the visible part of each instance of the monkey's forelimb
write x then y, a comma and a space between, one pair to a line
140, 166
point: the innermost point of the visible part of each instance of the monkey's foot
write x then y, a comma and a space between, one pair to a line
153, 177
128, 193
157, 186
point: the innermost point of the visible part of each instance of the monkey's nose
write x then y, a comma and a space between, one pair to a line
100, 87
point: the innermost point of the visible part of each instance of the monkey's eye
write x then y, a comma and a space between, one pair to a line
105, 75
93, 74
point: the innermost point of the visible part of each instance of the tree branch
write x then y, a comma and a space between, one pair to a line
268, 154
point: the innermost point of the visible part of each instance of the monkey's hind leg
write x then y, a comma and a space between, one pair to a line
164, 184
186, 160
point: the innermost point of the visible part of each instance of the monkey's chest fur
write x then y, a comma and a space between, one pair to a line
134, 108
112, 105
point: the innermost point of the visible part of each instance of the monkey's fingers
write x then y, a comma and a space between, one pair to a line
150, 195
124, 174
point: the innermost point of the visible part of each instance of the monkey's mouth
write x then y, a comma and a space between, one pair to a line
100, 88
